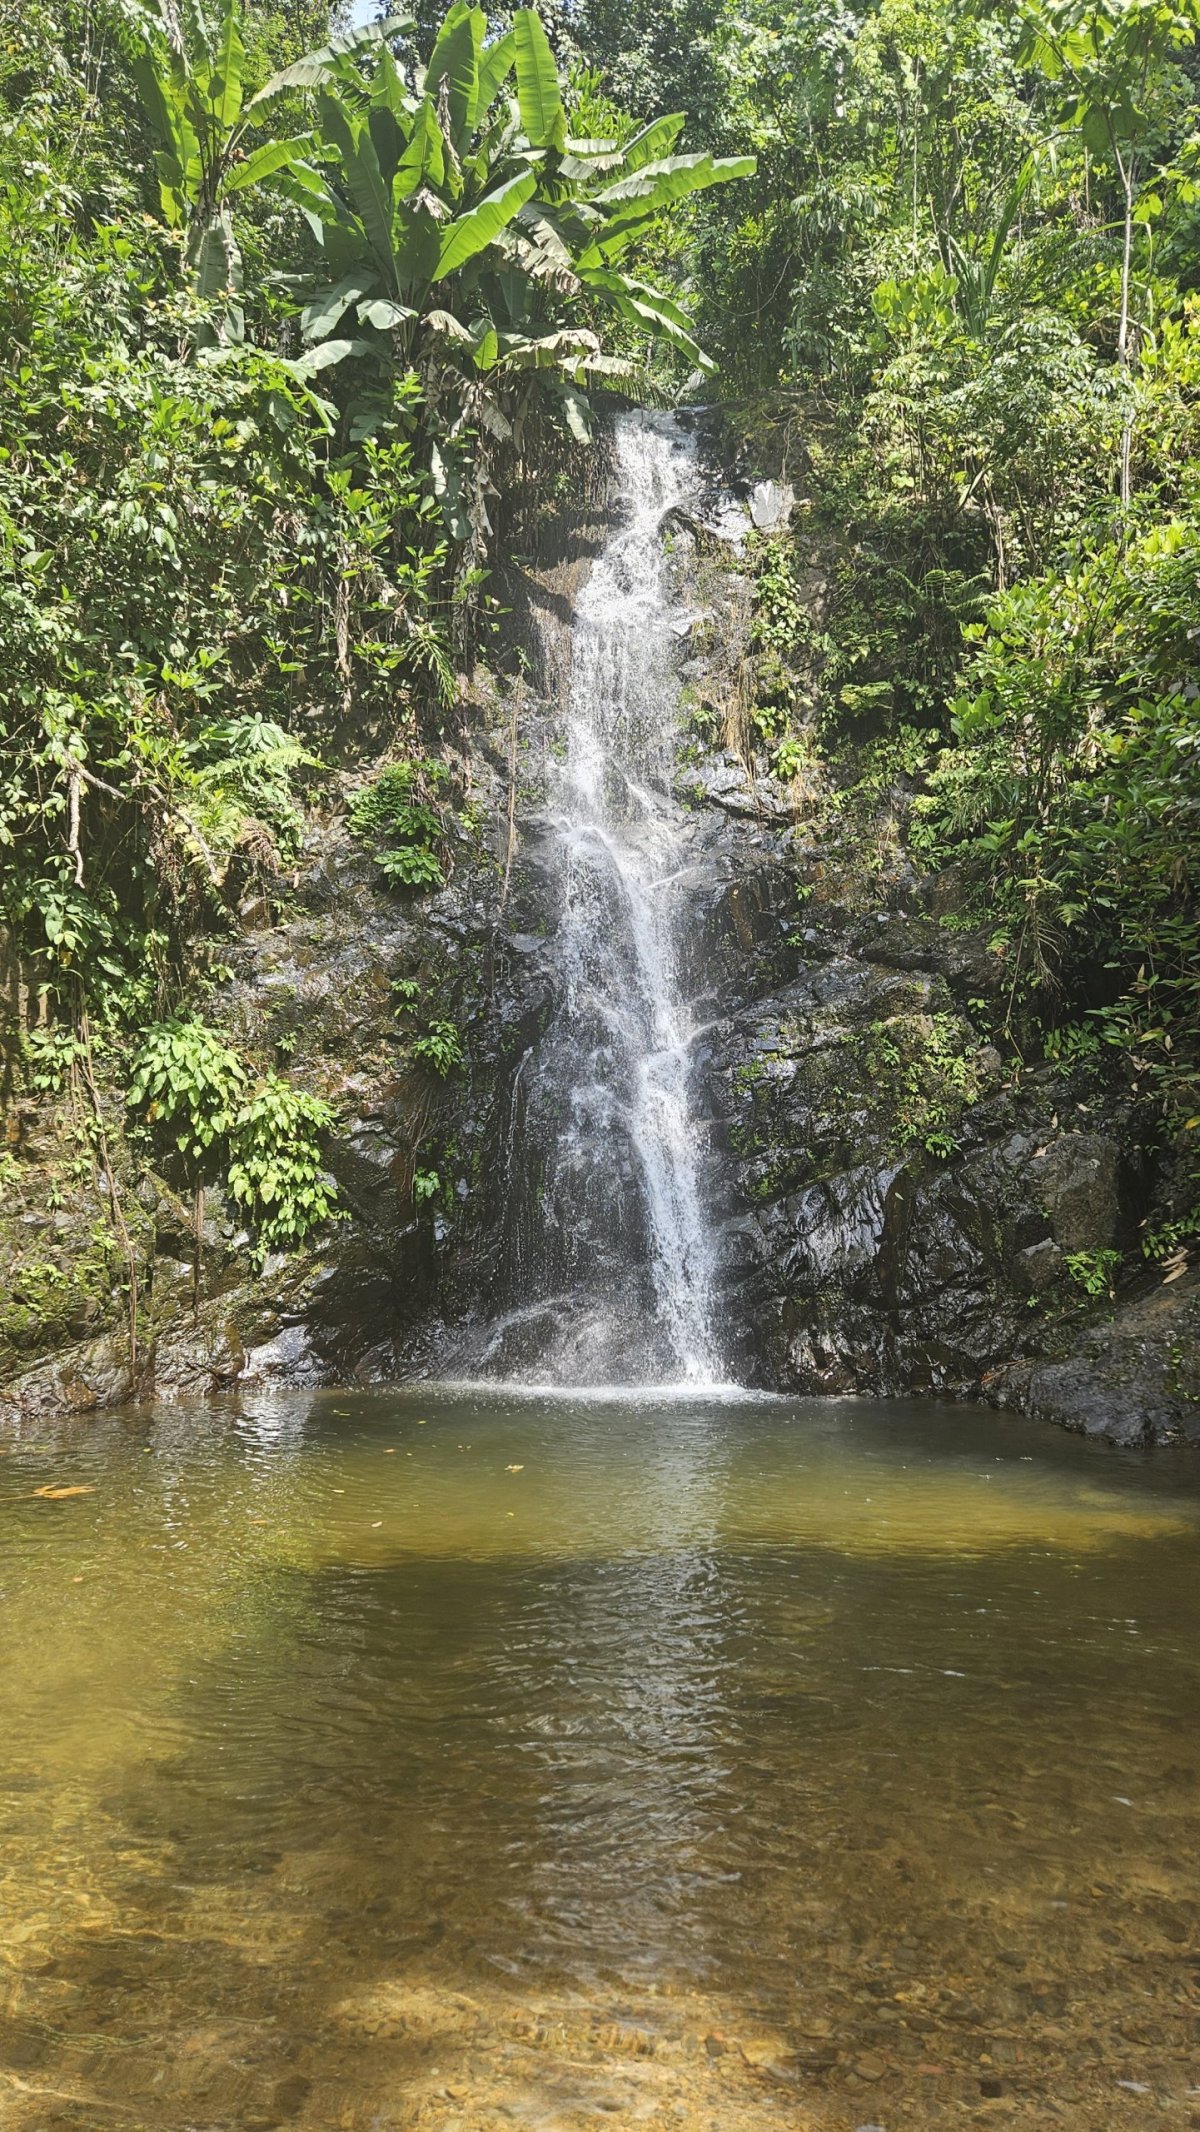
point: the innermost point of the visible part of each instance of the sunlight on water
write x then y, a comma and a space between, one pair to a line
448, 1759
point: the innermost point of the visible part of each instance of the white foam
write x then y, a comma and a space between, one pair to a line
501, 1389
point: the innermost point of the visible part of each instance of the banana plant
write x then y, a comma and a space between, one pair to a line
190, 74
461, 225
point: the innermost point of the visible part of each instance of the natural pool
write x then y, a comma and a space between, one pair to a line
467, 1761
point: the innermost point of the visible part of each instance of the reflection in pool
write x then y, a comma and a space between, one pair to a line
461, 1760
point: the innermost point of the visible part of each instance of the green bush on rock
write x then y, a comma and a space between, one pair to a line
261, 1134
398, 816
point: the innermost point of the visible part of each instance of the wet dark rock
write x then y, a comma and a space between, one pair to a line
909, 1226
76, 1381
1077, 1184
1132, 1380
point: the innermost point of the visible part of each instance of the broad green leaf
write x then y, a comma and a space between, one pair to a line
329, 353
321, 315
386, 139
383, 314
418, 238
654, 141
1094, 127
487, 350
424, 158
225, 87
495, 65
538, 92
454, 61
610, 282
659, 183
388, 89
637, 200
317, 69
155, 91
265, 161
217, 260
470, 233
368, 189
577, 410
662, 319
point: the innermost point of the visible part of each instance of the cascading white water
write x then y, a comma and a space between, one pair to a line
614, 1244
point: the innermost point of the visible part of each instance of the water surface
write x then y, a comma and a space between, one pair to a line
465, 1760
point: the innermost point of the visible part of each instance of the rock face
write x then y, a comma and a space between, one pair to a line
897, 1210
1134, 1379
913, 1222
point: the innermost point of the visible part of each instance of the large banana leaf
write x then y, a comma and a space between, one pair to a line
387, 139
320, 316
149, 65
317, 69
610, 283
389, 89
384, 315
470, 233
636, 201
454, 62
549, 251
660, 327
658, 184
654, 141
417, 240
424, 159
265, 161
369, 192
538, 93
217, 259
495, 66
228, 75
575, 407
309, 190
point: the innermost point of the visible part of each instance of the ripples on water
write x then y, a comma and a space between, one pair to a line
437, 1760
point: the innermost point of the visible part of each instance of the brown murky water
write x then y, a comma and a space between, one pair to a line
431, 1760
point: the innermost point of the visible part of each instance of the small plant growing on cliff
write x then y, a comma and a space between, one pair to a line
439, 1047
398, 817
1094, 1271
438, 1042
275, 1168
923, 1067
52, 1056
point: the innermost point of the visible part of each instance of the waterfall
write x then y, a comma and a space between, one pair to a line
610, 1259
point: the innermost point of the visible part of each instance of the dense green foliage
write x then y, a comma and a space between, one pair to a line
961, 300
201, 1104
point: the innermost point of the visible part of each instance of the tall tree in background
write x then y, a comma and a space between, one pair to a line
1109, 56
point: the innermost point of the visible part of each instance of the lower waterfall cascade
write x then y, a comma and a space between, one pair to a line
609, 1254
